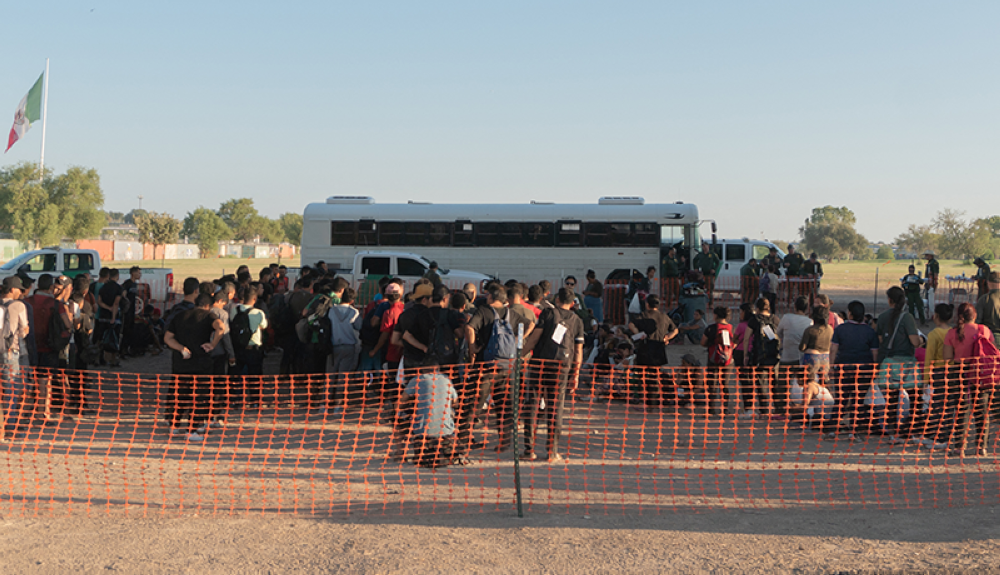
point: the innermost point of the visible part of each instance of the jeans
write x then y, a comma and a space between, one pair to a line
595, 305
13, 392
546, 382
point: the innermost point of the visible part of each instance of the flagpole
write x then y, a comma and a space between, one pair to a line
45, 118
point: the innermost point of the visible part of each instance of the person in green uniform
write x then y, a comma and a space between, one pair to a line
772, 260
982, 275
813, 269
911, 283
669, 267
931, 272
793, 262
708, 264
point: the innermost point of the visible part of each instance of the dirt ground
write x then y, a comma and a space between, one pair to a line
277, 491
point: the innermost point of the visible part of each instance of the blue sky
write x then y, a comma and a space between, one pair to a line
755, 111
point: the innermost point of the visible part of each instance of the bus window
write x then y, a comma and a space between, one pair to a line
78, 262
367, 233
390, 234
736, 252
671, 235
760, 252
488, 234
375, 266
538, 234
463, 233
646, 236
408, 267
598, 234
342, 233
415, 234
510, 234
439, 234
569, 234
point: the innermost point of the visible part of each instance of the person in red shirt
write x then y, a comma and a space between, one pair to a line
394, 352
45, 306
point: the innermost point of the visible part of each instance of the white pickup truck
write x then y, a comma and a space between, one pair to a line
72, 262
409, 267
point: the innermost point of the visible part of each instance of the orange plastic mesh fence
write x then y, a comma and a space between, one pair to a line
632, 439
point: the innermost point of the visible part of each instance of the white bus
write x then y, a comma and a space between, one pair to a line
529, 242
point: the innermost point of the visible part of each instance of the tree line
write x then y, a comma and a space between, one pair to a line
44, 209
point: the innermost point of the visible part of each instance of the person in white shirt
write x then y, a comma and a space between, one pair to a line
790, 330
13, 330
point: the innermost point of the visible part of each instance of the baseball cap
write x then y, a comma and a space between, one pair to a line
423, 290
13, 282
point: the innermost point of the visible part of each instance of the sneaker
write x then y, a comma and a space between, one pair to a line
176, 431
195, 437
202, 429
830, 435
897, 440
748, 414
934, 446
216, 425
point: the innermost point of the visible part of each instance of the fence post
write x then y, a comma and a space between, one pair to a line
515, 386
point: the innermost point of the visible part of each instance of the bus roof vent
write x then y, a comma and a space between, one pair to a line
350, 200
418, 203
621, 201
541, 203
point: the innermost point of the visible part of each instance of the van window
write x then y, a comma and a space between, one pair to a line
375, 266
760, 251
408, 267
78, 262
42, 263
736, 252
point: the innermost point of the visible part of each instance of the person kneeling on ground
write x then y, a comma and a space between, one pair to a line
425, 424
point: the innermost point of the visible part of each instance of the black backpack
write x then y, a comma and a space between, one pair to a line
441, 343
59, 335
766, 351
370, 334
239, 329
282, 317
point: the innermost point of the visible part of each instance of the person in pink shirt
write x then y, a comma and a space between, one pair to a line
978, 405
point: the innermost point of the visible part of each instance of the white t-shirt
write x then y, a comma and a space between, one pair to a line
790, 330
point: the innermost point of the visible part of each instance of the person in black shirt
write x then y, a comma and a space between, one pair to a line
192, 335
413, 356
130, 293
557, 343
110, 324
421, 334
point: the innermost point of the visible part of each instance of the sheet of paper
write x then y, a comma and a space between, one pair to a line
769, 332
725, 339
558, 334
638, 336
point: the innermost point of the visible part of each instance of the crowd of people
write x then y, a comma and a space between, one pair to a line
454, 351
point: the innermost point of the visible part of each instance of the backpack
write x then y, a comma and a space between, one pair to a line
503, 342
369, 334
316, 327
6, 334
765, 282
282, 317
721, 353
987, 368
59, 335
239, 329
766, 351
441, 343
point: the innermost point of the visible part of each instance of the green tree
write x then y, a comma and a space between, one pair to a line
207, 229
291, 223
919, 239
133, 216
55, 207
266, 230
158, 229
885, 253
241, 217
115, 217
830, 233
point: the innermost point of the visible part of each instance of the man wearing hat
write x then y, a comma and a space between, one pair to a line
15, 323
931, 271
988, 306
433, 275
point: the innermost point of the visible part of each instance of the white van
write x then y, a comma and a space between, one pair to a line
736, 253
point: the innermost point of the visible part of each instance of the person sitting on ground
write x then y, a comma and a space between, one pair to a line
694, 329
425, 425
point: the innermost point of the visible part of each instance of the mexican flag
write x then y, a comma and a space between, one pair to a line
29, 110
